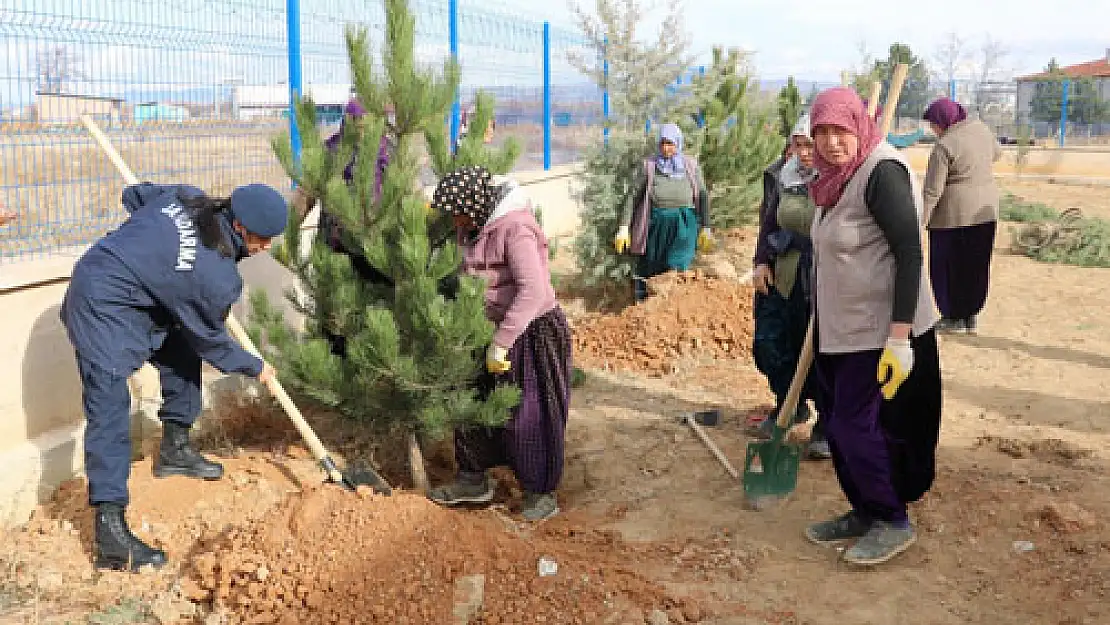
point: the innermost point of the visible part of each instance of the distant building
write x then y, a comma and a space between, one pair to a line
155, 112
67, 108
1098, 70
261, 101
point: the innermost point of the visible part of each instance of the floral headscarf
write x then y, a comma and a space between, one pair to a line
467, 191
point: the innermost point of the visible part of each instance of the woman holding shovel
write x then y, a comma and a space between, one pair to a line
876, 350
159, 289
783, 262
502, 242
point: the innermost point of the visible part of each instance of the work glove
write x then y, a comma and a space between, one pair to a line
497, 359
622, 241
705, 240
894, 366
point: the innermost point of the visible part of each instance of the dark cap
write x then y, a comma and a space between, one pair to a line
260, 209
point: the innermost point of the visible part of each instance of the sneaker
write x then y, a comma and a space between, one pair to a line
539, 506
818, 449
463, 491
845, 527
949, 326
971, 325
881, 544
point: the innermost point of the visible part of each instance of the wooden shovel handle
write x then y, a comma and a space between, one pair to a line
805, 360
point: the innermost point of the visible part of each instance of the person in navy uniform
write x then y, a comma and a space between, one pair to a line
159, 289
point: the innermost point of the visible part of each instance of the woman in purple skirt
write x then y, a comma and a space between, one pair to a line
876, 351
503, 243
961, 213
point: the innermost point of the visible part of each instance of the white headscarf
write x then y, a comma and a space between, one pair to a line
794, 174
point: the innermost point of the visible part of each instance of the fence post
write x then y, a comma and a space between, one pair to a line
546, 96
1064, 112
293, 35
605, 90
453, 43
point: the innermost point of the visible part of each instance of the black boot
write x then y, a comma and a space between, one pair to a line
116, 547
176, 456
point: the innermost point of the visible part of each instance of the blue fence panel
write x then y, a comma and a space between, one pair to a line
161, 81
195, 91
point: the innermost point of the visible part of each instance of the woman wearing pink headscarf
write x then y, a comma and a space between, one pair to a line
876, 351
961, 213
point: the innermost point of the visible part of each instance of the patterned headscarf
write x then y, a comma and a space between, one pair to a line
841, 107
467, 191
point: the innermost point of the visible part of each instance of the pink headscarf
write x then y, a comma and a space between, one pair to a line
843, 108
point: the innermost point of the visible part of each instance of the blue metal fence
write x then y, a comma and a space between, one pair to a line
193, 92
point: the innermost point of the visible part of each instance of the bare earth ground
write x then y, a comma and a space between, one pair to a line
652, 522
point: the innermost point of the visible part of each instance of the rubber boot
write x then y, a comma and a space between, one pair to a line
116, 547
177, 456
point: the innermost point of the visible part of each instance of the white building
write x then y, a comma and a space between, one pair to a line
255, 101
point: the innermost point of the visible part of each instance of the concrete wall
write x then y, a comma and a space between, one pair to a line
41, 419
1062, 164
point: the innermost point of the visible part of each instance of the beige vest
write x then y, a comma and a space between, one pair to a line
855, 269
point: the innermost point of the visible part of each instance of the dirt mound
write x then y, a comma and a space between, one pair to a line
688, 314
334, 557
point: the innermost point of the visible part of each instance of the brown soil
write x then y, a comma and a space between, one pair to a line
689, 315
332, 557
1014, 531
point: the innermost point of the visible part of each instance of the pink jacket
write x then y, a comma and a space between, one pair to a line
510, 253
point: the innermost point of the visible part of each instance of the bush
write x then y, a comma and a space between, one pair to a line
1014, 208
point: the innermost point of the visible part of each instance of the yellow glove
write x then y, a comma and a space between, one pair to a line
705, 240
497, 359
622, 241
894, 366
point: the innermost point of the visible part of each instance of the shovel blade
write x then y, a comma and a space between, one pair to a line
771, 469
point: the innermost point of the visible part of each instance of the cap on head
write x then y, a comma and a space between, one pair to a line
260, 209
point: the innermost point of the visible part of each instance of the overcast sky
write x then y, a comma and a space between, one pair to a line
816, 39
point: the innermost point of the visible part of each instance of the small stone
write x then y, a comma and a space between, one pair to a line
658, 617
262, 573
469, 597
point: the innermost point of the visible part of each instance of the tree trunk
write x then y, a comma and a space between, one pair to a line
416, 465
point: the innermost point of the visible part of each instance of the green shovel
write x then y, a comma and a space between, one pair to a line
771, 466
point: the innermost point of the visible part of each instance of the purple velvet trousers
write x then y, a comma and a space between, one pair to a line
532, 442
884, 452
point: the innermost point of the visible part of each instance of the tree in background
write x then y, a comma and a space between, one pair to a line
950, 58
1085, 103
412, 349
733, 144
640, 75
56, 69
915, 92
789, 107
